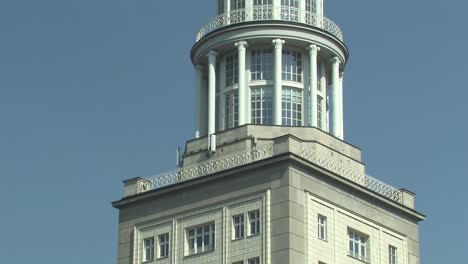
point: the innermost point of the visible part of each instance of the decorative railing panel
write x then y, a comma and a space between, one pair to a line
206, 168
263, 152
268, 12
367, 181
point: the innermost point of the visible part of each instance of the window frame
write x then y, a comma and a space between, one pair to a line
291, 106
392, 254
254, 223
200, 236
261, 105
163, 246
239, 227
322, 230
148, 250
358, 245
255, 260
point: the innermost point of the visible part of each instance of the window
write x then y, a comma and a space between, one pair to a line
322, 227
311, 6
261, 64
232, 69
232, 110
319, 112
164, 245
149, 249
262, 105
291, 107
358, 245
254, 220
262, 2
262, 9
201, 239
237, 4
254, 261
290, 10
292, 66
238, 224
290, 3
392, 255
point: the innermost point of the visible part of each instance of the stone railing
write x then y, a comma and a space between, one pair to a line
262, 152
268, 12
360, 178
211, 166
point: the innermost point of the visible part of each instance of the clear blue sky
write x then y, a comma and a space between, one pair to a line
96, 91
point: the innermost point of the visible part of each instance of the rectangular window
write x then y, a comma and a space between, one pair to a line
319, 112
232, 69
261, 100
254, 261
292, 66
237, 4
358, 245
164, 245
232, 110
311, 6
291, 107
149, 249
261, 64
238, 225
200, 239
392, 255
262, 10
290, 3
254, 221
322, 227
290, 10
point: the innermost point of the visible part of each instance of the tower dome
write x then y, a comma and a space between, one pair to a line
269, 62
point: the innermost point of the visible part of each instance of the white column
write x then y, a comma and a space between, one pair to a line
313, 51
341, 111
336, 97
276, 9
198, 100
278, 43
241, 46
323, 88
211, 93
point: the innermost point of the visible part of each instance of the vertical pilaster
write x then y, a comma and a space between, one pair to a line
336, 97
222, 96
276, 9
313, 51
211, 93
198, 102
241, 46
278, 54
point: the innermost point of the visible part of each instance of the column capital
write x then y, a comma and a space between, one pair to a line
335, 60
313, 49
241, 45
212, 53
278, 43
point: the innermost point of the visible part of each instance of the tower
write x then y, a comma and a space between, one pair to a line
268, 177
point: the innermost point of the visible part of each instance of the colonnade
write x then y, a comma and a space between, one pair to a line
318, 81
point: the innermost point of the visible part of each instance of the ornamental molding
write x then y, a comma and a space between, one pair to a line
262, 152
